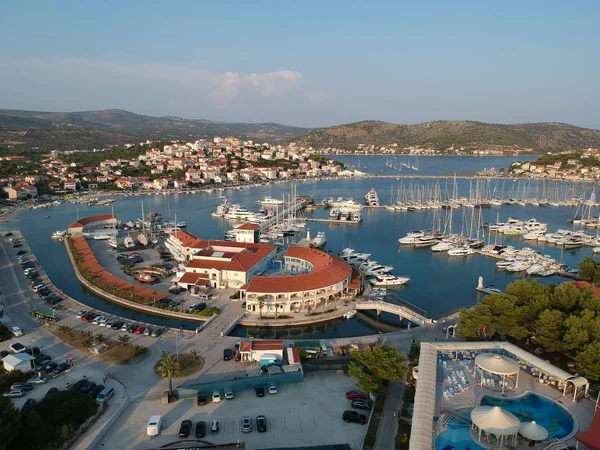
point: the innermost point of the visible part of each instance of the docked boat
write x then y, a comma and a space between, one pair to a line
491, 289
58, 234
239, 213
463, 250
128, 242
102, 237
113, 242
319, 240
388, 280
371, 198
426, 241
222, 209
343, 203
349, 314
442, 246
270, 201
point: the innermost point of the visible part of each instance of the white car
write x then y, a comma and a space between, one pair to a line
37, 380
102, 322
97, 320
17, 331
229, 395
216, 397
272, 389
81, 313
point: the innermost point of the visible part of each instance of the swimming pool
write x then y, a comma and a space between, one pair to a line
547, 413
456, 437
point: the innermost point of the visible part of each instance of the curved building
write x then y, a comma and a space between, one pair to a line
311, 280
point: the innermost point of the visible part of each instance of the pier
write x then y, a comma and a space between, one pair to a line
344, 222
404, 312
281, 215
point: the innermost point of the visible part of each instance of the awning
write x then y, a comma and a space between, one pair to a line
533, 431
496, 364
495, 420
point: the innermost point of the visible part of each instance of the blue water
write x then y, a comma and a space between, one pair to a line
545, 412
439, 285
554, 418
456, 437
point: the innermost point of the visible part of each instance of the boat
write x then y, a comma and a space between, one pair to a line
596, 250
58, 234
270, 201
463, 250
349, 314
343, 203
319, 240
102, 237
490, 289
128, 242
222, 209
145, 278
113, 242
388, 280
371, 198
442, 246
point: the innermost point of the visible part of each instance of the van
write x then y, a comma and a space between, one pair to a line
105, 395
38, 287
154, 424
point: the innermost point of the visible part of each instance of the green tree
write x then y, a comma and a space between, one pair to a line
376, 367
576, 335
261, 303
178, 174
10, 424
587, 269
169, 367
549, 329
474, 321
588, 361
506, 315
195, 354
565, 297
123, 339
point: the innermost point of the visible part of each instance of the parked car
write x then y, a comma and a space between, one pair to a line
17, 347
229, 395
109, 323
227, 354
85, 317
38, 287
261, 424
125, 326
21, 387
201, 400
80, 314
97, 320
140, 329
41, 360
132, 328
200, 430
49, 367
361, 404
17, 245
78, 385
352, 395
216, 397
214, 427
148, 331
16, 331
37, 380
156, 332
13, 394
246, 424
117, 325
260, 392
21, 253
272, 389
96, 390
63, 367
44, 292
185, 428
33, 351
9, 233
174, 290
354, 417
88, 388
4, 353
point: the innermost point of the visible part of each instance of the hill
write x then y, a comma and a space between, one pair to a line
443, 134
96, 129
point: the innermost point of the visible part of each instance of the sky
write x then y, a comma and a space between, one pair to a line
308, 63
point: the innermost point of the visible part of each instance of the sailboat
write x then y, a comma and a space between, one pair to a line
142, 238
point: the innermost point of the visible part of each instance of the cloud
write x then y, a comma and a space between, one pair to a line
174, 81
320, 96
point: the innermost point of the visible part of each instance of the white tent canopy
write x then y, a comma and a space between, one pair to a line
533, 431
495, 420
496, 364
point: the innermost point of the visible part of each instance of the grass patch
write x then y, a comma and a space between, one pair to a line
115, 352
188, 365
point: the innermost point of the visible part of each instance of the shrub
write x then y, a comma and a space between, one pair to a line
209, 312
409, 394
370, 439
4, 333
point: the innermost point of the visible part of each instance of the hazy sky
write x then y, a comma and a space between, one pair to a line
307, 63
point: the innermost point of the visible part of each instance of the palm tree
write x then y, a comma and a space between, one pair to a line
277, 305
123, 339
100, 338
261, 303
195, 354
65, 329
168, 368
322, 303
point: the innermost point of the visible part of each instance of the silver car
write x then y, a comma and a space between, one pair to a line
246, 424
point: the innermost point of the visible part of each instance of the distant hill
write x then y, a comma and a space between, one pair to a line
443, 134
96, 129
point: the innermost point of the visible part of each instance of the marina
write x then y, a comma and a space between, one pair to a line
378, 235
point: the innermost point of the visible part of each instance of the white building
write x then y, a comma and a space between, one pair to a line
21, 361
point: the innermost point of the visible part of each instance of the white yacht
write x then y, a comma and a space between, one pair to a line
113, 242
239, 213
349, 314
411, 238
319, 240
357, 257
128, 242
343, 203
371, 198
388, 280
270, 201
222, 209
518, 266
102, 237
58, 234
442, 246
464, 250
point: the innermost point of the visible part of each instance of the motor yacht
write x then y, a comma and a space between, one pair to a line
388, 280
518, 266
58, 234
319, 240
270, 201
464, 250
371, 198
113, 242
128, 242
349, 314
442, 246
343, 203
102, 237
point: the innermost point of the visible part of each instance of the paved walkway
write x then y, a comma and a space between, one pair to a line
388, 425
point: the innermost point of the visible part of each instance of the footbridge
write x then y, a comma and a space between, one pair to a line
403, 311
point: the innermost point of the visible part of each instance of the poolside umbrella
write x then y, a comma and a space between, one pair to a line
533, 431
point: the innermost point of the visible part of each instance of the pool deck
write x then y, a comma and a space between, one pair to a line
582, 411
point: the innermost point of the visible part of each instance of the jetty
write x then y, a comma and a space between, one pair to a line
403, 311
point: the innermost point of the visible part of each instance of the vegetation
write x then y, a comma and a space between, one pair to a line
210, 311
48, 424
443, 134
403, 436
7, 379
563, 320
375, 368
168, 366
5, 333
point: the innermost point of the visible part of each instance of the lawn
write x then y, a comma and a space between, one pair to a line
188, 365
114, 351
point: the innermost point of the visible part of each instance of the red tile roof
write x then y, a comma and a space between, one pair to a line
328, 270
208, 264
194, 278
86, 220
267, 345
249, 226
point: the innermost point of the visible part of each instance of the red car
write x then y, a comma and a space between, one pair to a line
139, 330
354, 395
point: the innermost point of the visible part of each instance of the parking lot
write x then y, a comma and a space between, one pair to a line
303, 414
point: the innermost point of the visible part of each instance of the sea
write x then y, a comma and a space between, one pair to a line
439, 285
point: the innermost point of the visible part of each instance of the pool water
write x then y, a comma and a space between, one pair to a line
456, 437
547, 413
